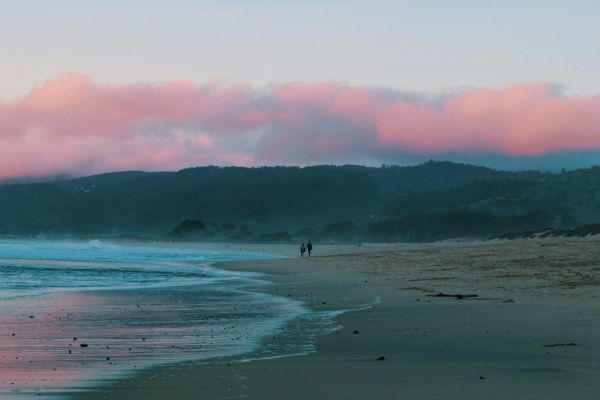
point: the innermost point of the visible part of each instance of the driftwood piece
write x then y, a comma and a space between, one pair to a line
456, 296
561, 344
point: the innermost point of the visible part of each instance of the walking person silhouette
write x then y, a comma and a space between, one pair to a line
309, 247
302, 249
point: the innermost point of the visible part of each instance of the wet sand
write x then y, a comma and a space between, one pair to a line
531, 332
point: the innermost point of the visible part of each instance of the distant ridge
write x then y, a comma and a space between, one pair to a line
268, 200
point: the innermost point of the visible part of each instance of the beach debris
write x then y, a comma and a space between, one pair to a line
561, 344
482, 377
355, 333
456, 296
83, 345
382, 358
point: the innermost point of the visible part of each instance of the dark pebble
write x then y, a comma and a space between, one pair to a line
355, 333
381, 358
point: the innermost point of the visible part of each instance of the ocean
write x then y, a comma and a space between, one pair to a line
75, 314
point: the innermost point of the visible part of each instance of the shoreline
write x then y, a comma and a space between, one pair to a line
530, 333
70, 339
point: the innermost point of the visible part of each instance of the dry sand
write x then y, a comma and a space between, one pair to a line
532, 332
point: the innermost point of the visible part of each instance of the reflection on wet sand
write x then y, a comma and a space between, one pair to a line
54, 343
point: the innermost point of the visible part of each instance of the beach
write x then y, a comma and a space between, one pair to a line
459, 320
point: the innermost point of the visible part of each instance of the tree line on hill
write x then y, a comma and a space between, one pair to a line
431, 201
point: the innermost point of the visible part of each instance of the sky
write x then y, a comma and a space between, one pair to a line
89, 87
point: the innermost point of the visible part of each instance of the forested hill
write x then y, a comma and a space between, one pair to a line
426, 202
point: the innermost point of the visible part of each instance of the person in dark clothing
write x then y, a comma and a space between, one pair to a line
309, 247
302, 249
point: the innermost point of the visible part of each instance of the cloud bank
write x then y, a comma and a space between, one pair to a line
74, 125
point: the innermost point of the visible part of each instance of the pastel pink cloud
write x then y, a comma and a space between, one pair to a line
77, 126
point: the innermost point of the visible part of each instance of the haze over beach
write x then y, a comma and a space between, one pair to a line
311, 200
